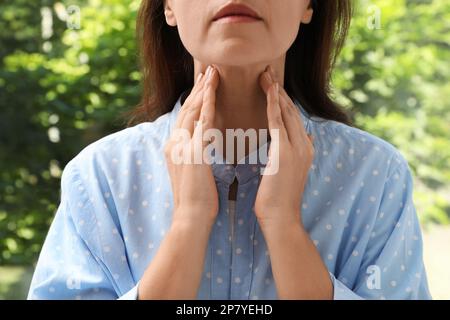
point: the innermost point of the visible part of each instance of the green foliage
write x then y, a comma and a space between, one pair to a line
395, 80
59, 92
57, 95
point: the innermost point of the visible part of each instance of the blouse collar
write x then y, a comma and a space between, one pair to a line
247, 168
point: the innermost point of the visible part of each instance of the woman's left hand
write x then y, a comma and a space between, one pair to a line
291, 154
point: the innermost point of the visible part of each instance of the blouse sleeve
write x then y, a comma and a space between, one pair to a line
69, 265
392, 265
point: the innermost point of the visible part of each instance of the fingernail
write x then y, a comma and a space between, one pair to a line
268, 77
272, 72
277, 87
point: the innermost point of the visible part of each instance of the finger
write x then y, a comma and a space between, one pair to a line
192, 100
293, 110
207, 112
290, 123
274, 116
193, 112
265, 81
294, 113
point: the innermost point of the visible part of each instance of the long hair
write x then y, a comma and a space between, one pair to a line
168, 68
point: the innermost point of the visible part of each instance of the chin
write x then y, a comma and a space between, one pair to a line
237, 55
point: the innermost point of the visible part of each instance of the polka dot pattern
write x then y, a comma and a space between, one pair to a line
117, 206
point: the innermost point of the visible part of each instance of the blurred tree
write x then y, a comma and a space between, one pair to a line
68, 69
394, 75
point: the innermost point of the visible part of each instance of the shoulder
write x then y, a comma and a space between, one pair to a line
356, 147
121, 146
116, 161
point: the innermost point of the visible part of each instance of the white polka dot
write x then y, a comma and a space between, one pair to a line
237, 280
115, 231
238, 251
339, 165
351, 151
341, 212
241, 222
135, 255
219, 280
372, 199
107, 249
393, 283
151, 245
330, 257
208, 275
305, 205
355, 253
316, 192
327, 179
268, 281
316, 242
329, 227
242, 195
219, 252
145, 203
255, 242
375, 172
51, 289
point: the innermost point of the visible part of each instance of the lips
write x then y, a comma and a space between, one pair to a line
236, 10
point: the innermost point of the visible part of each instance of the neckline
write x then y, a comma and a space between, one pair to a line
244, 171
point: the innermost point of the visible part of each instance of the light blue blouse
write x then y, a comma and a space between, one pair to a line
116, 206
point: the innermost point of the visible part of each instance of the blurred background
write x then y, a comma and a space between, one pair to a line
68, 70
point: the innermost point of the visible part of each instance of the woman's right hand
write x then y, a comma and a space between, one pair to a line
193, 185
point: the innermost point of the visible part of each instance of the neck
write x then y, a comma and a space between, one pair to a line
241, 103
240, 100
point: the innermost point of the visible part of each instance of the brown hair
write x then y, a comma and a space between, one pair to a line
168, 68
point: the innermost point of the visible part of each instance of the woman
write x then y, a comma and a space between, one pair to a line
335, 219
